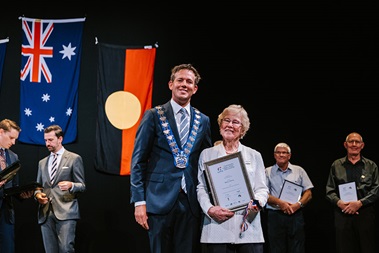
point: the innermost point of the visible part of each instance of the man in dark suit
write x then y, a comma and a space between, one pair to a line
58, 210
164, 171
9, 132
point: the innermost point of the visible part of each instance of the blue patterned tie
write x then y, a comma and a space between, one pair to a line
184, 127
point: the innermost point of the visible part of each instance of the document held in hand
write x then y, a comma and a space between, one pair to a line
290, 192
16, 190
9, 172
348, 192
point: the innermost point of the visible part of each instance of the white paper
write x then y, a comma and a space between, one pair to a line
291, 192
348, 192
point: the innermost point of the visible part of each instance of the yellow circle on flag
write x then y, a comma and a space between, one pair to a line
123, 109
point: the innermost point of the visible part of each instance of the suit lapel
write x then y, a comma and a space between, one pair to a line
61, 164
46, 170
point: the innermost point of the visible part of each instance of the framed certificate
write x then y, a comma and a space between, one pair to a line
229, 182
290, 192
31, 186
9, 172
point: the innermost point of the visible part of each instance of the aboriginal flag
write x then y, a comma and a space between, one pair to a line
124, 90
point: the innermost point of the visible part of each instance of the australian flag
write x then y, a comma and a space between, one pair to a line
50, 68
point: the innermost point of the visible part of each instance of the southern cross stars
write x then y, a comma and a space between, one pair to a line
67, 51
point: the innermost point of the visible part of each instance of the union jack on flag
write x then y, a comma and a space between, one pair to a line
50, 69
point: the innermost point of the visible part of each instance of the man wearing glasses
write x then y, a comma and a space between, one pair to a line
289, 191
354, 217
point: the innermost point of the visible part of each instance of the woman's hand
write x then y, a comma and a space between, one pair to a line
220, 214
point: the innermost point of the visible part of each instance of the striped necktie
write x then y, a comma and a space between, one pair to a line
184, 127
53, 168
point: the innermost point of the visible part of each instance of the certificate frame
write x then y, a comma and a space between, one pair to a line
229, 182
10, 172
16, 190
290, 192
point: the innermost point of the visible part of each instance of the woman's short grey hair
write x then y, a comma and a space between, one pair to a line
234, 110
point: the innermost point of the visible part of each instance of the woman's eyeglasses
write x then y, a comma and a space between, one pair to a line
227, 121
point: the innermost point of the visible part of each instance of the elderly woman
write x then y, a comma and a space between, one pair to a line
226, 231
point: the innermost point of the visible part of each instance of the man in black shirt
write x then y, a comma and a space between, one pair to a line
354, 220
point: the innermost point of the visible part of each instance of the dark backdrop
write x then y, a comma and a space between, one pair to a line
306, 72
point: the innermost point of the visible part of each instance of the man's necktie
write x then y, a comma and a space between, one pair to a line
3, 161
183, 133
184, 126
53, 168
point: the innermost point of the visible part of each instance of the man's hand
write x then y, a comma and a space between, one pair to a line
2, 182
350, 207
287, 207
65, 185
141, 216
26, 195
41, 198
